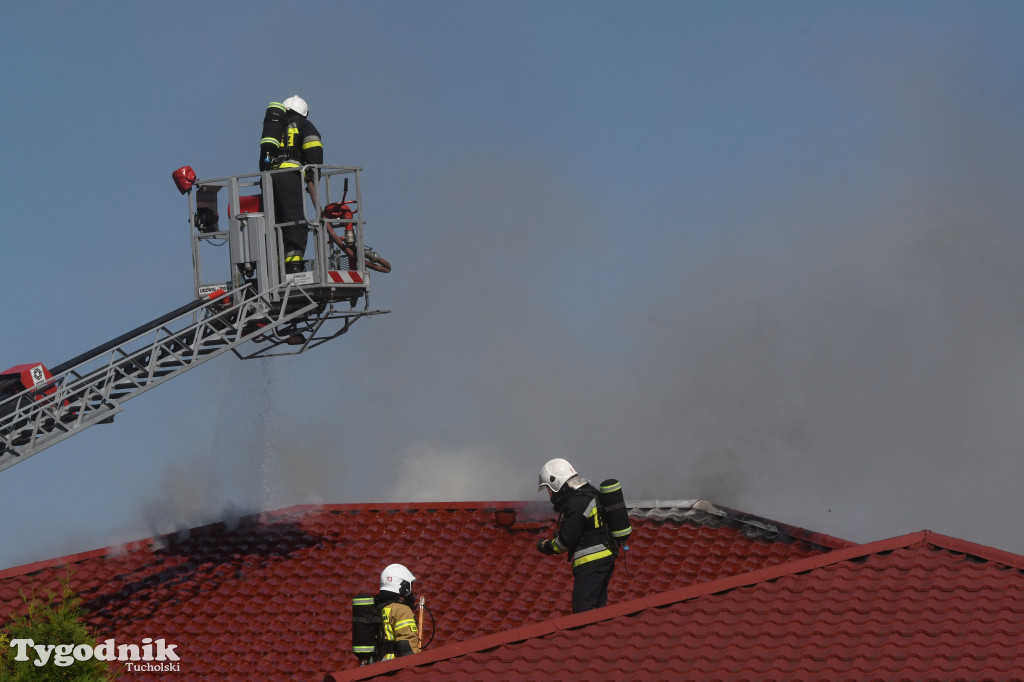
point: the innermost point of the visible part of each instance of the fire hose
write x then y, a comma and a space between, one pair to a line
342, 211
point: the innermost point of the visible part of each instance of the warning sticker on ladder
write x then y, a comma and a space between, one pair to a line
346, 276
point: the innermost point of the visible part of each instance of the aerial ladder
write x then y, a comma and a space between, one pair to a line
247, 303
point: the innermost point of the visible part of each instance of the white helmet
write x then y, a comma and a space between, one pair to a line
398, 579
554, 474
296, 104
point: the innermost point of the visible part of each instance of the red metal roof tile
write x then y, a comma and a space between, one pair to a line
922, 606
232, 597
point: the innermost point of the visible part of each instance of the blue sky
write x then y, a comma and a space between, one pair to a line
767, 254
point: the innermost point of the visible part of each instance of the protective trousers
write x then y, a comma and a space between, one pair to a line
590, 585
288, 207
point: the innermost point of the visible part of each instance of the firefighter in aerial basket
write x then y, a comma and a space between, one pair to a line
592, 525
384, 626
290, 140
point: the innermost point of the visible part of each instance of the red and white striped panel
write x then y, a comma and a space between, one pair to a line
346, 276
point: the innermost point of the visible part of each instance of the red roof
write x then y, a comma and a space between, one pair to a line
921, 606
270, 595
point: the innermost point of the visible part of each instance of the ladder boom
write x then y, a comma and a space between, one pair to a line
94, 389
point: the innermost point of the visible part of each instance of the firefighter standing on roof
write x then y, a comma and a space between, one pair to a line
395, 601
290, 140
582, 534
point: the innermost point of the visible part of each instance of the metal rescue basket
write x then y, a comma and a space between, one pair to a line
333, 278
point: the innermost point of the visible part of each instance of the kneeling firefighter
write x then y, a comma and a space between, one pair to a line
384, 626
592, 525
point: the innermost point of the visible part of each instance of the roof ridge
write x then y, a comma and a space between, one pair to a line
729, 515
974, 549
269, 515
25, 569
679, 595
752, 525
786, 530
173, 536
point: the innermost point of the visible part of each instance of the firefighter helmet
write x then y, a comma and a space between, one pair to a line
555, 474
296, 104
398, 579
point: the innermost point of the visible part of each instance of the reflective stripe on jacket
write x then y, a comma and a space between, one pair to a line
592, 552
400, 625
273, 133
300, 144
581, 530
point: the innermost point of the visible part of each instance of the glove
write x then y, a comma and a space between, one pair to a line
544, 546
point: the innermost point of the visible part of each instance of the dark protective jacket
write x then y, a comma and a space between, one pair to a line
273, 134
289, 140
401, 636
581, 530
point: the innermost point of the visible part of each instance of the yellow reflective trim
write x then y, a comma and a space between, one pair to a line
309, 145
611, 488
288, 164
407, 623
362, 601
592, 557
291, 259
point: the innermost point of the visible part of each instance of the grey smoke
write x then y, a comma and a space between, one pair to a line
849, 365
811, 314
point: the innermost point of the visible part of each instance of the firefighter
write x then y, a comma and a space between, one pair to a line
582, 534
394, 603
290, 140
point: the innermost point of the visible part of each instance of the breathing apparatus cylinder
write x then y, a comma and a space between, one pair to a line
364, 628
616, 514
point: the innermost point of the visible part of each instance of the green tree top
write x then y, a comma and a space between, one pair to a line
55, 622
